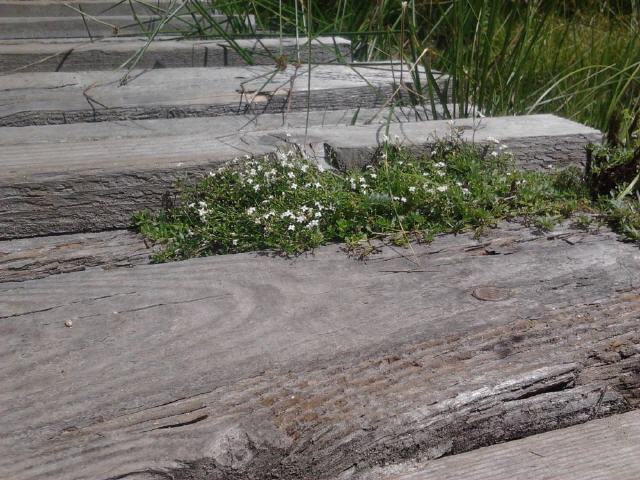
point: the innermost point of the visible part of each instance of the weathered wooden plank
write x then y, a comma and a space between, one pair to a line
111, 53
63, 8
68, 179
60, 97
79, 26
250, 366
601, 449
40, 257
537, 142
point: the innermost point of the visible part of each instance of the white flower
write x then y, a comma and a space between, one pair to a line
403, 199
439, 165
304, 208
317, 214
493, 140
494, 154
251, 210
286, 214
291, 227
313, 223
412, 189
373, 175
234, 241
252, 172
301, 218
442, 188
256, 187
294, 186
317, 185
304, 168
291, 175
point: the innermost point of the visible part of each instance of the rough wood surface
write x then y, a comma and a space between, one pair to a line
78, 178
62, 8
68, 97
602, 449
31, 258
67, 55
250, 366
537, 141
77, 26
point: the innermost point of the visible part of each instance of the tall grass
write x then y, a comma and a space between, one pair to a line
576, 58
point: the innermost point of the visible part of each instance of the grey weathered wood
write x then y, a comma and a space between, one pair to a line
537, 142
62, 8
250, 366
77, 178
61, 97
108, 54
39, 257
601, 449
79, 26
42, 55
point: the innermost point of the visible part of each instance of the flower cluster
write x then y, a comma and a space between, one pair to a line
287, 203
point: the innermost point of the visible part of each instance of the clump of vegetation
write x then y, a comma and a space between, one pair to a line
613, 174
285, 203
579, 59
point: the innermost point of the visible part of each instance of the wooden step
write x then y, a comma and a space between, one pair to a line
79, 26
78, 178
43, 55
40, 257
64, 8
59, 97
258, 366
601, 449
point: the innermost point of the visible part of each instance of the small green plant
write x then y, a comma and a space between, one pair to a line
285, 203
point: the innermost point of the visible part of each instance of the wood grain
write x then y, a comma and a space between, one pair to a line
250, 366
69, 97
70, 179
68, 55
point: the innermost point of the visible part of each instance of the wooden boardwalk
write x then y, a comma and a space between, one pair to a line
257, 366
598, 450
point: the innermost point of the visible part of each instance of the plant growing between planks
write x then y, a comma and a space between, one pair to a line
286, 203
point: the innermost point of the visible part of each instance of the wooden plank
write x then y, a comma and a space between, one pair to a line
601, 449
67, 55
79, 26
72, 178
59, 97
40, 257
62, 8
253, 366
537, 141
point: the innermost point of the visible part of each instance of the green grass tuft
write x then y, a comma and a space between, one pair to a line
286, 204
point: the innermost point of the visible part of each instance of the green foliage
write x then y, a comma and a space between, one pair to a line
580, 59
284, 203
613, 168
